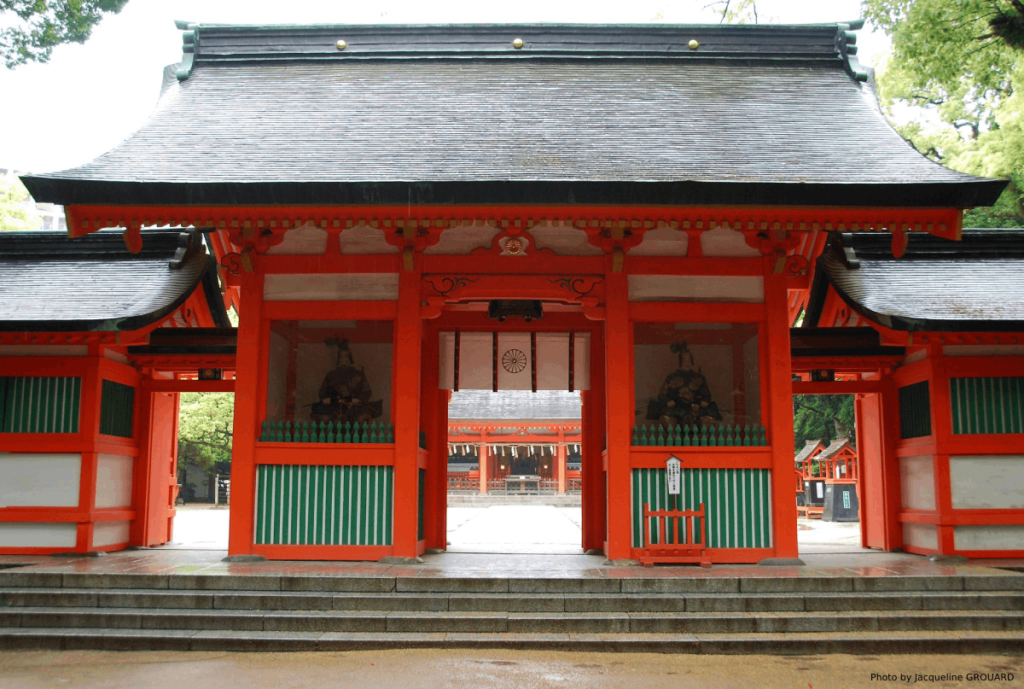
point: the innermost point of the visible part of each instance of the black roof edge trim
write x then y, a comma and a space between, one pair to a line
71, 192
818, 292
797, 353
211, 290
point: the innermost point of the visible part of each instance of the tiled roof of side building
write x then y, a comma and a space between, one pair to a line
972, 285
834, 448
809, 447
514, 405
50, 283
458, 114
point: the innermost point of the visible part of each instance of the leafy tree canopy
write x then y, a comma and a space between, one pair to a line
204, 428
33, 27
958, 60
822, 417
15, 214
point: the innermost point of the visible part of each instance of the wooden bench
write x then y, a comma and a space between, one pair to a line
680, 527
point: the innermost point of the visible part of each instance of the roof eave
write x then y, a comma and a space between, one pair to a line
69, 192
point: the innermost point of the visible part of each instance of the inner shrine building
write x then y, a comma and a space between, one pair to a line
626, 213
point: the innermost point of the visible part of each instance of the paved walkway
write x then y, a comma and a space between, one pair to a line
515, 529
209, 562
452, 668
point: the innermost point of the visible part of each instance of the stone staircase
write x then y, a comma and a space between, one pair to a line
981, 613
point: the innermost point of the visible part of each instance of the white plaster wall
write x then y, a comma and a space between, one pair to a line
463, 239
987, 481
114, 481
723, 241
44, 350
363, 239
996, 537
109, 533
921, 536
564, 240
39, 480
32, 535
307, 239
662, 241
696, 288
115, 356
917, 483
332, 287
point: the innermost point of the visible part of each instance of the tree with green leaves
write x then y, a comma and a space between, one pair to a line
824, 417
204, 428
15, 212
32, 28
958, 60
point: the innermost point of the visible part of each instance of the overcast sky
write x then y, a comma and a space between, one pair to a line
90, 97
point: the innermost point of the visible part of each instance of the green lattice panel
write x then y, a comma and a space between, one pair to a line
324, 505
987, 405
40, 404
737, 504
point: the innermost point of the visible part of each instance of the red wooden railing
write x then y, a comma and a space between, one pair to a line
681, 527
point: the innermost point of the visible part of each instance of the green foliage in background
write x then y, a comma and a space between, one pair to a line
14, 213
822, 417
204, 428
958, 60
32, 28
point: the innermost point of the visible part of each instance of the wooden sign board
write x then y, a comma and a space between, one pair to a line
673, 475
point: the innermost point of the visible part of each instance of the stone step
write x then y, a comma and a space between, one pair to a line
515, 623
527, 603
642, 582
873, 643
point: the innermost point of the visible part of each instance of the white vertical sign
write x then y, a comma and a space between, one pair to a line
673, 475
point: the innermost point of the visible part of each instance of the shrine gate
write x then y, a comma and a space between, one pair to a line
627, 212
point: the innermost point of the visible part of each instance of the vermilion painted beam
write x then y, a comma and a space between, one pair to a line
177, 385
664, 312
702, 457
839, 387
347, 454
946, 222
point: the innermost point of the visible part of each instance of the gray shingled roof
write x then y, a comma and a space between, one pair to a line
514, 405
809, 447
49, 282
976, 284
833, 449
581, 114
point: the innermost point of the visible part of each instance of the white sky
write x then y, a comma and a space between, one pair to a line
90, 97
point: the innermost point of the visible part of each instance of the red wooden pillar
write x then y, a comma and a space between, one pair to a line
89, 426
484, 463
560, 461
942, 430
250, 381
891, 490
142, 471
780, 413
592, 437
440, 536
437, 442
618, 342
407, 354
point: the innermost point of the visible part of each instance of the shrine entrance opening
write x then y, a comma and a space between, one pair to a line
827, 474
516, 406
